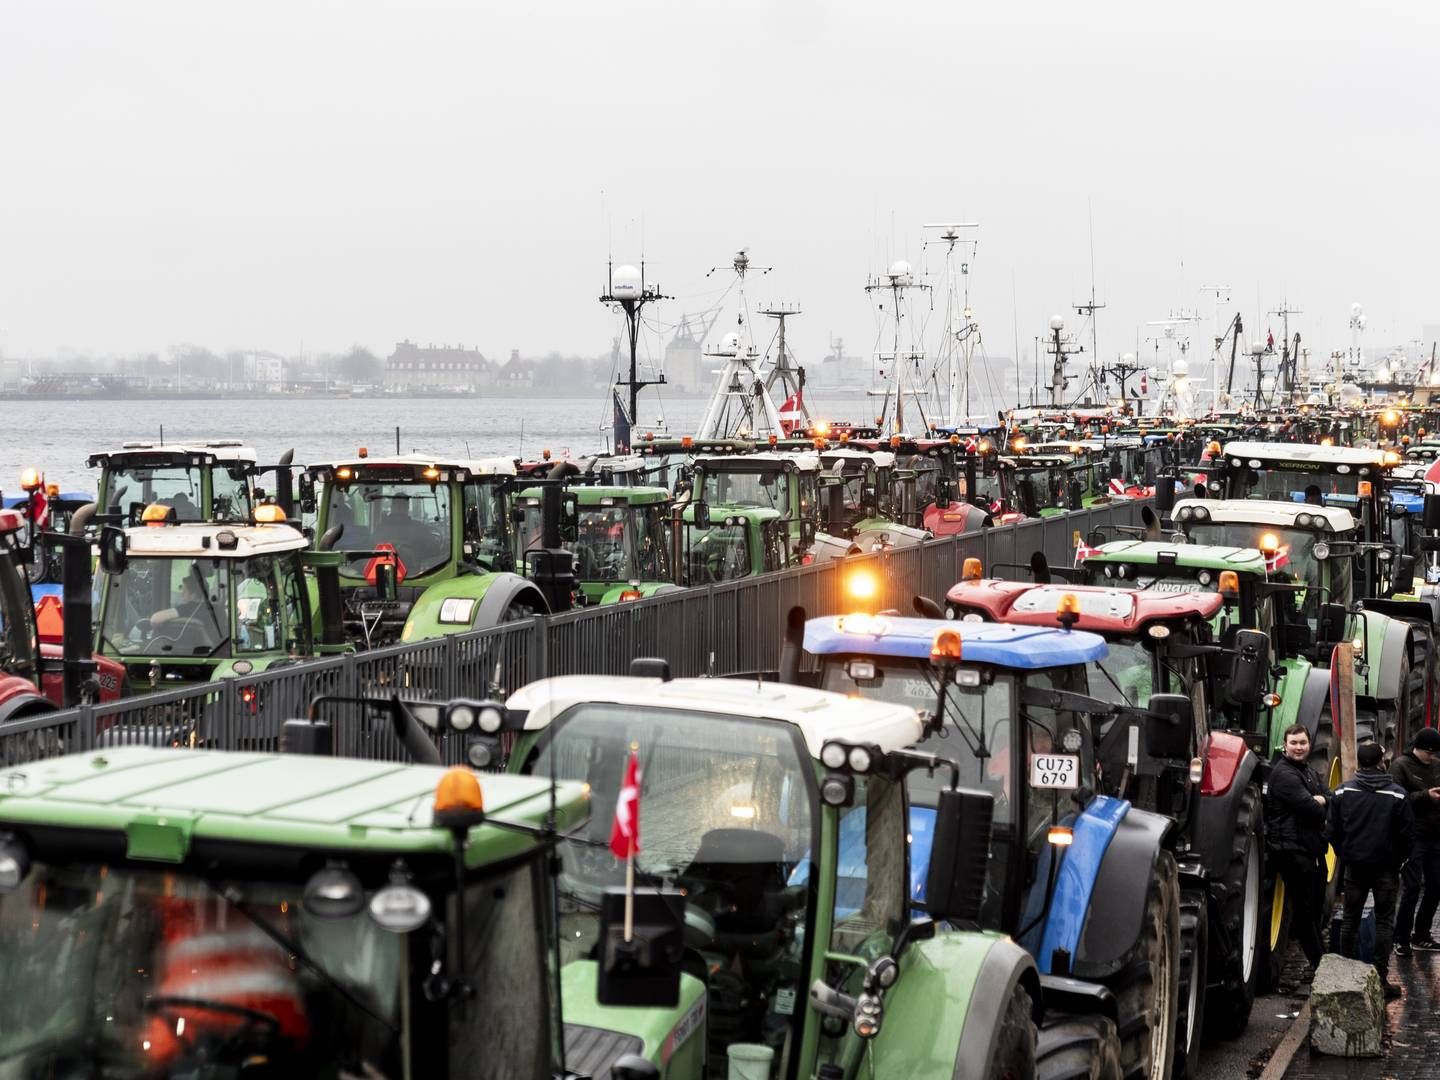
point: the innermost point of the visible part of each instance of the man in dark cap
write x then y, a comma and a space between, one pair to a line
1371, 829
1418, 772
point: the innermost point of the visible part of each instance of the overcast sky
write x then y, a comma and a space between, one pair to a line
294, 174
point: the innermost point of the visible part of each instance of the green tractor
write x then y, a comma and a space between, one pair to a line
732, 543
860, 500
183, 603
209, 481
223, 914
773, 840
623, 540
1086, 883
427, 547
785, 484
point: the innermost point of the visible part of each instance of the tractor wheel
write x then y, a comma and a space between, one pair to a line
1015, 1044
1078, 1048
1275, 939
1147, 989
1241, 913
1194, 971
1394, 718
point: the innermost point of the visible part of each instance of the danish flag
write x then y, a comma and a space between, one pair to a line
792, 413
1117, 486
625, 833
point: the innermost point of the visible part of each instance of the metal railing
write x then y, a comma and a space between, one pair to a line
724, 629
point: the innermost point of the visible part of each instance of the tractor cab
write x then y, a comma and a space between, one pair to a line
938, 482
785, 483
209, 481
733, 543
186, 602
427, 544
859, 501
1353, 478
773, 818
178, 914
1040, 485
622, 540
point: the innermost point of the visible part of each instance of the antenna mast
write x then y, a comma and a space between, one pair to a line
626, 289
967, 336
791, 379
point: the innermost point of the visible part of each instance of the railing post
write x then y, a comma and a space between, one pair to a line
539, 647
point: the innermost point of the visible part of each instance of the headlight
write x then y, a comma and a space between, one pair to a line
860, 760
14, 863
462, 717
1304, 521
1321, 550
832, 755
400, 908
491, 720
1202, 513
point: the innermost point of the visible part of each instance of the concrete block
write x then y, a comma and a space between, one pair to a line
1347, 1009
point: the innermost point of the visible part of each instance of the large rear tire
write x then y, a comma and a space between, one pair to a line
1078, 1048
1194, 973
1015, 1046
1241, 914
1147, 988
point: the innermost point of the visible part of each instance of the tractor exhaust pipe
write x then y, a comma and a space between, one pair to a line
927, 608
1039, 568
793, 647
77, 656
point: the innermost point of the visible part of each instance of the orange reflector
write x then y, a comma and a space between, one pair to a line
1269, 543
946, 644
157, 514
343, 473
459, 789
894, 441
269, 514
50, 619
52, 490
630, 594
545, 453
1061, 835
1018, 443
774, 438
1213, 448
1229, 583
971, 569
954, 440
1365, 489
1069, 606
363, 452
687, 441
30, 479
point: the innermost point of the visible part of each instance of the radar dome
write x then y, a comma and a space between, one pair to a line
900, 272
1057, 322
731, 343
1180, 367
626, 283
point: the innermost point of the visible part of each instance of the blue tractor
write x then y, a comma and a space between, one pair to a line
1011, 705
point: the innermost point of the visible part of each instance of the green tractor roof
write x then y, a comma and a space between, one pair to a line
602, 495
163, 800
724, 514
1185, 556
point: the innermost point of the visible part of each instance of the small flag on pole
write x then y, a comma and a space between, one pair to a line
625, 833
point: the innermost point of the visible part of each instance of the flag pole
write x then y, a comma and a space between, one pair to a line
630, 854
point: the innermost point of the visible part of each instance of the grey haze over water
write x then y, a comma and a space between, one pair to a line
330, 429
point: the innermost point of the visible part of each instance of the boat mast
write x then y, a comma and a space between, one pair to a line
791, 379
965, 336
626, 289
740, 375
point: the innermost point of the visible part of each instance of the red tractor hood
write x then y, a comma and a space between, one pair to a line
1102, 610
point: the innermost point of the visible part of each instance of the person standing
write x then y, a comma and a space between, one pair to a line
1371, 829
1418, 772
1297, 805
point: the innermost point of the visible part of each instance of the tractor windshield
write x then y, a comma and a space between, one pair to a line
143, 973
719, 553
129, 487
1298, 483
136, 972
728, 815
1294, 558
412, 517
1126, 674
167, 607
767, 489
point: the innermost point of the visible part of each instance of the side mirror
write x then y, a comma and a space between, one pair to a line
1164, 493
307, 493
702, 515
646, 969
1430, 515
959, 854
807, 532
1332, 623
114, 549
1168, 730
1402, 575
1247, 672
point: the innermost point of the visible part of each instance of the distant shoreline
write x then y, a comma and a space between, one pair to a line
489, 393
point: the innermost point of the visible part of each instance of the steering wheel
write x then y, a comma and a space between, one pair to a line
268, 1022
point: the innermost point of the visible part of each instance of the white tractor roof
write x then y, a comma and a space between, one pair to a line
1266, 512
819, 714
196, 541
805, 460
883, 459
491, 466
222, 449
1325, 455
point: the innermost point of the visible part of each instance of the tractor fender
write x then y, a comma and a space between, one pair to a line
1394, 651
491, 595
1314, 698
947, 1005
1217, 807
19, 699
1119, 894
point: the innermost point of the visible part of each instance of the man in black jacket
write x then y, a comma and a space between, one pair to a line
1418, 772
1371, 829
1295, 812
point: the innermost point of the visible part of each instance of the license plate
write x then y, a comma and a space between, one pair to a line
1057, 771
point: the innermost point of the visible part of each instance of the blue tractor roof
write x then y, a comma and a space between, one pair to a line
1028, 647
1412, 502
13, 501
